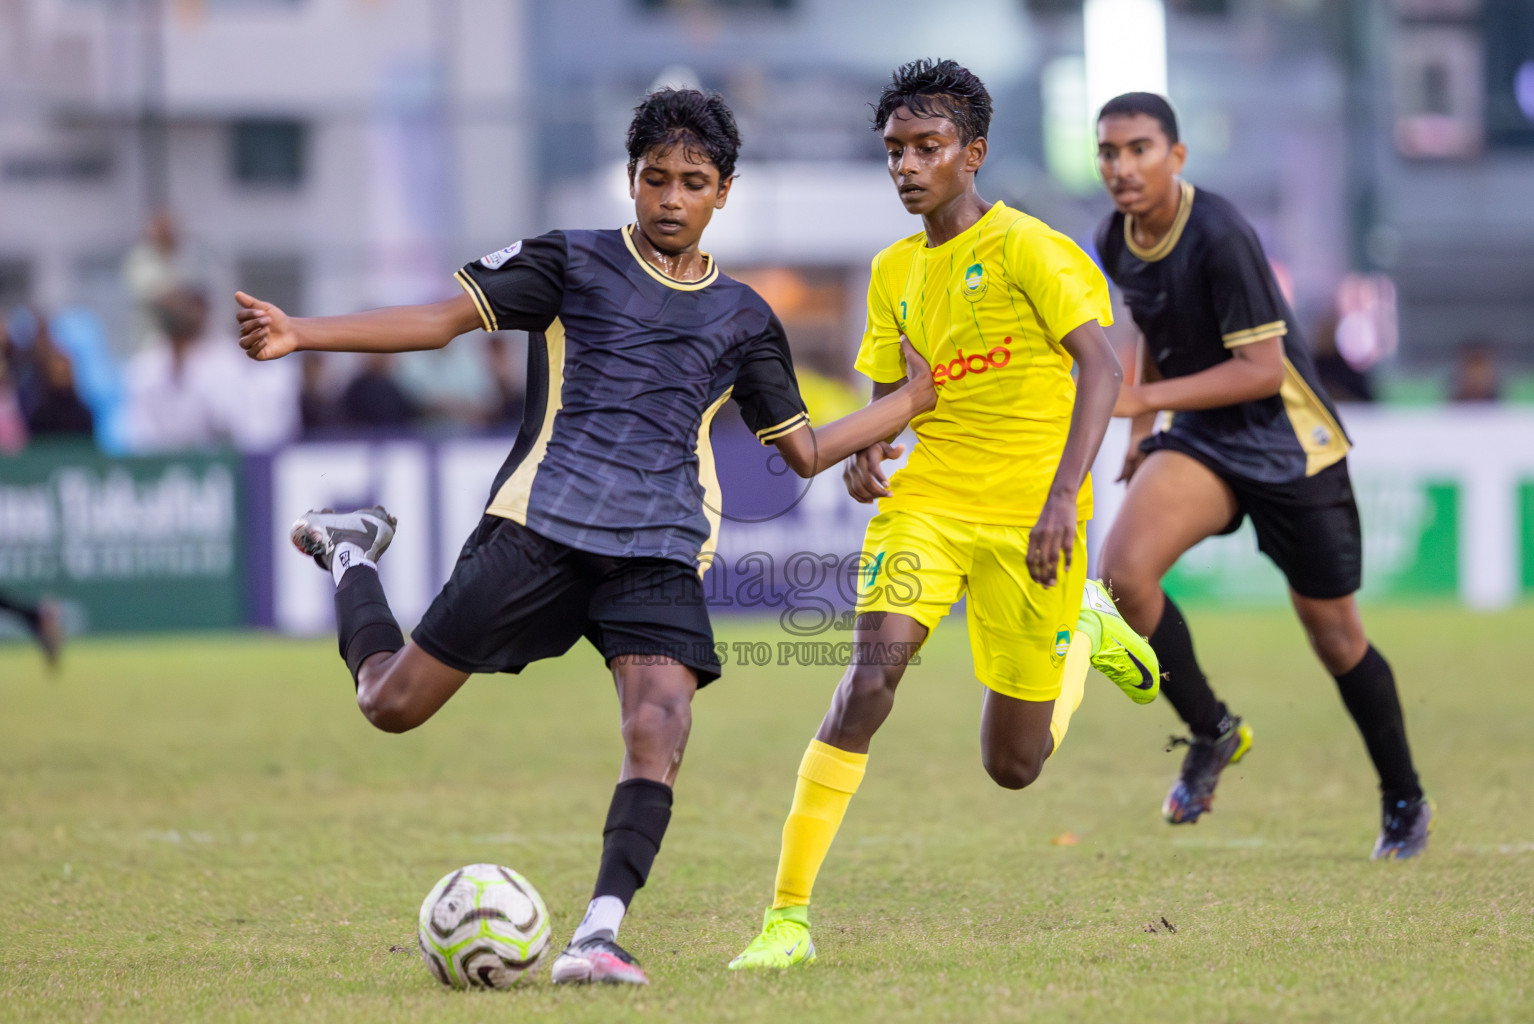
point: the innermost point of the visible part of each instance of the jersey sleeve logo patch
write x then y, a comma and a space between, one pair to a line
500, 256
974, 282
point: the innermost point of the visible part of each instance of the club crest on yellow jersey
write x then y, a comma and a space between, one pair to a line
975, 283
1062, 644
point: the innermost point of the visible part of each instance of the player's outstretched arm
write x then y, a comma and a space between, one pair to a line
266, 332
1098, 377
1253, 372
811, 450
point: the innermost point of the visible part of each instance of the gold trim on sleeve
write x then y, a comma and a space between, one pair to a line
481, 303
1262, 332
769, 434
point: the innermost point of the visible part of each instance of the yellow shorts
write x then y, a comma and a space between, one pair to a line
919, 564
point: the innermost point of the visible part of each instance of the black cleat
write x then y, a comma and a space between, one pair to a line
1404, 828
1193, 792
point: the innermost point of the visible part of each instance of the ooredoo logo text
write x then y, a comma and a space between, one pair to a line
962, 366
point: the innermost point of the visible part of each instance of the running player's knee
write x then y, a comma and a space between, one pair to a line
1011, 770
388, 708
864, 683
657, 716
1131, 585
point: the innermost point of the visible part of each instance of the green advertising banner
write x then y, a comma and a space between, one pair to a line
124, 544
1411, 549
1526, 534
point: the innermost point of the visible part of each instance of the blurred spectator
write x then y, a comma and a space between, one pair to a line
193, 389
58, 410
449, 386
374, 398
1342, 381
1476, 378
42, 378
155, 265
13, 425
317, 408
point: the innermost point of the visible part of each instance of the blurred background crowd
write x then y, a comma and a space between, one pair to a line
150, 165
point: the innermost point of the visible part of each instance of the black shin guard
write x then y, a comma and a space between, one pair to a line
1368, 691
1182, 681
364, 624
636, 823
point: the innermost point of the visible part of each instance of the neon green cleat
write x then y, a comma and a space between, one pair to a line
785, 941
1118, 652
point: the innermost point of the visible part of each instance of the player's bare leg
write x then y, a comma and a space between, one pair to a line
1173, 502
655, 699
883, 643
1368, 690
1015, 739
829, 775
398, 691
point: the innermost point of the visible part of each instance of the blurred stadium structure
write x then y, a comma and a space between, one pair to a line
331, 155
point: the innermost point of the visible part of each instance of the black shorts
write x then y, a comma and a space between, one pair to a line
516, 597
1308, 527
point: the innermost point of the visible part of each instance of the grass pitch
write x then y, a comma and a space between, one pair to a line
206, 829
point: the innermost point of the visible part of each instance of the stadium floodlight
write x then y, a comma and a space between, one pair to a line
1125, 46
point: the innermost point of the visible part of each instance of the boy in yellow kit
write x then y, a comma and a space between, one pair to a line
994, 499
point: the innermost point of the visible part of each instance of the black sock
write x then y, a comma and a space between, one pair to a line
1369, 691
636, 823
1182, 681
26, 611
364, 624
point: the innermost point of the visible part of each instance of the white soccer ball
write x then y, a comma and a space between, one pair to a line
483, 926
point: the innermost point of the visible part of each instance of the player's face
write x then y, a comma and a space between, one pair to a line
1139, 167
928, 164
675, 194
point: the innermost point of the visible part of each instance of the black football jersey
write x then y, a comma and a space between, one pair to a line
1207, 288
626, 369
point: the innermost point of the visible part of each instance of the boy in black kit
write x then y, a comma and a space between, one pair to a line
600, 522
1250, 434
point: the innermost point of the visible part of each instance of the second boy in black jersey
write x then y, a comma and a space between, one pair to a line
1249, 435
599, 523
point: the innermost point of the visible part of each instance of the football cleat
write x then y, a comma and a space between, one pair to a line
1404, 829
1193, 791
597, 958
319, 532
1119, 653
784, 941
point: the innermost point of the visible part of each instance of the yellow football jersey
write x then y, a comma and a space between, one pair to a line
987, 309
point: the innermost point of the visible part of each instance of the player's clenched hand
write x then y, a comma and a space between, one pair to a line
265, 331
864, 472
1052, 539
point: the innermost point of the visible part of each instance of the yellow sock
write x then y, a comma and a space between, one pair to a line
1072, 686
828, 776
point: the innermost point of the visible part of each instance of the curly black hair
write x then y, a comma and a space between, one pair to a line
700, 122
940, 88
